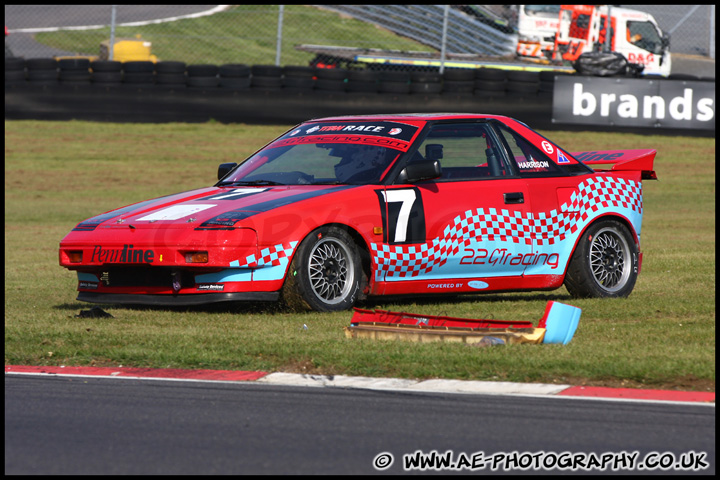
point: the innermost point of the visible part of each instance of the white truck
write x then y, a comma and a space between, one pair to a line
564, 32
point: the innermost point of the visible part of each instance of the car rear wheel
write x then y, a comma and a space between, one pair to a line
605, 262
325, 273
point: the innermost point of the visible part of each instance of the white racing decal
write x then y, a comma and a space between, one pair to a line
175, 212
407, 197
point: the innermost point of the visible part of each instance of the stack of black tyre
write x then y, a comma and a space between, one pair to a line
332, 79
490, 82
363, 81
74, 71
234, 75
393, 81
522, 83
14, 71
171, 74
42, 71
106, 73
203, 76
458, 80
139, 73
426, 82
298, 77
266, 76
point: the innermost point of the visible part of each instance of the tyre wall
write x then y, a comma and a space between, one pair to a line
141, 91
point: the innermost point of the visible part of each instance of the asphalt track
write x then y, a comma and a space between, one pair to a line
76, 420
141, 421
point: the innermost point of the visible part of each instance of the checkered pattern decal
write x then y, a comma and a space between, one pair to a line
544, 228
274, 255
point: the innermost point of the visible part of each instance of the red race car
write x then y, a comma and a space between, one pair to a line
340, 208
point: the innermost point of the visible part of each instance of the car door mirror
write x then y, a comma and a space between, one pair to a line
422, 170
665, 40
224, 169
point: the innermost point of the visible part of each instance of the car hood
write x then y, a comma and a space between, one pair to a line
207, 208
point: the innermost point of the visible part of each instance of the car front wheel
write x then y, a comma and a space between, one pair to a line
325, 273
605, 262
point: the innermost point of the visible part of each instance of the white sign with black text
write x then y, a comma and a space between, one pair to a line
634, 102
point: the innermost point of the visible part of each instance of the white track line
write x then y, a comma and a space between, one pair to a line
212, 11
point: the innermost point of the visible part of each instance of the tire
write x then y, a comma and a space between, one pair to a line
74, 64
523, 76
337, 74
139, 66
363, 76
490, 85
74, 76
306, 83
41, 64
265, 82
170, 67
458, 86
418, 87
107, 77
42, 75
604, 263
106, 66
203, 82
14, 64
491, 74
326, 272
459, 74
235, 82
14, 76
171, 79
393, 87
234, 70
521, 87
139, 78
425, 77
202, 70
330, 85
266, 70
394, 76
298, 71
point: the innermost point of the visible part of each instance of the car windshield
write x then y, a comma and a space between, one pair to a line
355, 152
315, 164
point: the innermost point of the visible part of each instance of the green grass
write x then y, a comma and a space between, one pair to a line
59, 173
242, 34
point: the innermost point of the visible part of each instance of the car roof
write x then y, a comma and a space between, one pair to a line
412, 116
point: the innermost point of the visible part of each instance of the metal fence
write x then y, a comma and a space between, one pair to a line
275, 34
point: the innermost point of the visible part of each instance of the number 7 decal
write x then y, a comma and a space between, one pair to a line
403, 214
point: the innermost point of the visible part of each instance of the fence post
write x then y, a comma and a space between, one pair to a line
712, 31
608, 32
112, 32
279, 35
443, 42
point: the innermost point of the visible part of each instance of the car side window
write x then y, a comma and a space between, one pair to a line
466, 151
529, 160
645, 36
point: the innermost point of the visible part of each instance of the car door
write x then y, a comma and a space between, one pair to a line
550, 185
470, 223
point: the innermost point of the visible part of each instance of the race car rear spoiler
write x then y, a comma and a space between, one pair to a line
622, 160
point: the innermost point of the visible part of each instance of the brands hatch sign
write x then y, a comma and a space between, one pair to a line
634, 102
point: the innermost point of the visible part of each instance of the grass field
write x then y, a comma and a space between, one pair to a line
241, 34
59, 173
